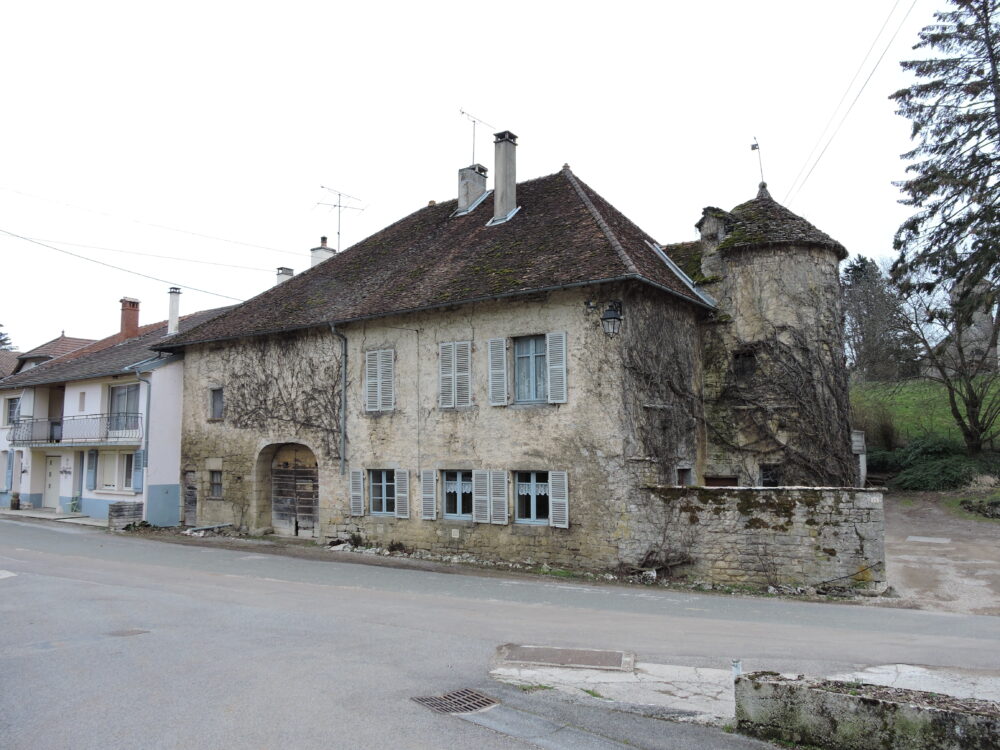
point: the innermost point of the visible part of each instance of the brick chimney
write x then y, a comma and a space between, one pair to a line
505, 182
321, 253
130, 318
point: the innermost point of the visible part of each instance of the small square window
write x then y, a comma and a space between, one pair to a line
770, 475
532, 497
216, 403
215, 484
12, 410
382, 484
744, 366
457, 494
683, 477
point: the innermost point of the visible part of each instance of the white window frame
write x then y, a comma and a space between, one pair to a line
460, 481
117, 466
537, 376
550, 375
124, 422
10, 416
386, 479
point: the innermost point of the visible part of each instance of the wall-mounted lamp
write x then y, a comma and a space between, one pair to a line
611, 320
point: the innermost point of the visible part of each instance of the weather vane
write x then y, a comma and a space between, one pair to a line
474, 120
756, 147
340, 206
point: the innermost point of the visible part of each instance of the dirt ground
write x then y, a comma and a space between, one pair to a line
940, 557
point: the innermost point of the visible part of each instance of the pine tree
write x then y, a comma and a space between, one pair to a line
955, 110
4, 341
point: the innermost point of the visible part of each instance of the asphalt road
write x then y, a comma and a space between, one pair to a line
109, 641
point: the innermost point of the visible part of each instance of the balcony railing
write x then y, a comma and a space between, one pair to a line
86, 428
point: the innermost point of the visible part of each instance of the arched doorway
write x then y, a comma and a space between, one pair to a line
294, 491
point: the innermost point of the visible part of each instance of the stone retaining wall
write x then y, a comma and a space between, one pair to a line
122, 514
800, 536
800, 711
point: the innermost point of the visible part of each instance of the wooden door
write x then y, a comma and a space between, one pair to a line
294, 492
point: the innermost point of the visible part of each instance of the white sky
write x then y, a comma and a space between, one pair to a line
223, 119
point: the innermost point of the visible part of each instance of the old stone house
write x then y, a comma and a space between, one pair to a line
511, 374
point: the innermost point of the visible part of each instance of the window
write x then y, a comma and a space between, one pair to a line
382, 484
379, 379
457, 494
11, 411
216, 404
124, 407
83, 402
115, 470
683, 477
215, 484
455, 374
530, 369
721, 481
532, 497
770, 475
744, 366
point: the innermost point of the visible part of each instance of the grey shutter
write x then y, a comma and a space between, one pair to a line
8, 474
357, 492
428, 494
559, 499
498, 497
463, 373
402, 493
446, 375
371, 381
481, 496
555, 358
386, 380
91, 469
137, 465
498, 371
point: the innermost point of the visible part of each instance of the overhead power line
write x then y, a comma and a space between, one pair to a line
854, 101
150, 224
117, 268
154, 255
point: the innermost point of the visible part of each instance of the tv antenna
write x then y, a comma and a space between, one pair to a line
340, 206
756, 147
474, 120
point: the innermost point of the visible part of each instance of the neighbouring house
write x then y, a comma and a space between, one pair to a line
517, 373
57, 347
8, 362
99, 424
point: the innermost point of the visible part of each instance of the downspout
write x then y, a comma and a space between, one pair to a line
343, 397
145, 433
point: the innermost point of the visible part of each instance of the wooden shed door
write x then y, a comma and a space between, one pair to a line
294, 491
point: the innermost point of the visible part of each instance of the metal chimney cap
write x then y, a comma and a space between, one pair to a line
174, 290
505, 135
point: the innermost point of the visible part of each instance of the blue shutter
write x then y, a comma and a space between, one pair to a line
8, 477
91, 469
559, 499
402, 493
357, 492
480, 496
138, 459
555, 358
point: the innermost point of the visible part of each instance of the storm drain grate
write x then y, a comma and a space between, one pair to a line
462, 701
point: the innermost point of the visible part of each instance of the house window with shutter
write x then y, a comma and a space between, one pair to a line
457, 494
530, 372
539, 369
382, 491
379, 380
532, 497
455, 374
115, 472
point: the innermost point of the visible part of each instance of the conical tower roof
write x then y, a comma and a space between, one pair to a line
764, 221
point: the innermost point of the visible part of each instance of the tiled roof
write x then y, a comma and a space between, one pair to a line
108, 357
687, 255
564, 234
57, 347
8, 362
764, 221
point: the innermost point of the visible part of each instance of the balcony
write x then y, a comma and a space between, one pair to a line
86, 429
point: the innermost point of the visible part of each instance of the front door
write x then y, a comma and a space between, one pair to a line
50, 497
294, 491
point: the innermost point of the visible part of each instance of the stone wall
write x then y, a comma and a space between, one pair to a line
840, 716
800, 536
123, 514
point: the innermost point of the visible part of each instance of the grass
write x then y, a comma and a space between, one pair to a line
953, 504
918, 407
593, 693
534, 688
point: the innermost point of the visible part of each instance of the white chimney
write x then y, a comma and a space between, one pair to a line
173, 319
284, 274
471, 186
321, 253
505, 183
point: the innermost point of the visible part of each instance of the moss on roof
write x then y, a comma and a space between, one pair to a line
764, 221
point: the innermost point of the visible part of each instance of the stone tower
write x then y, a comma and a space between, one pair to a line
774, 373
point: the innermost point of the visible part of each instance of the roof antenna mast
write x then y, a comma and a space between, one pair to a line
474, 120
756, 147
340, 206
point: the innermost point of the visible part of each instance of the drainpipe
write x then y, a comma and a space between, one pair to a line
145, 434
343, 397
